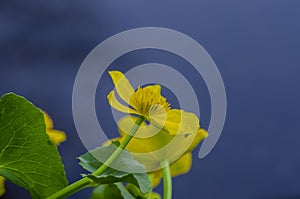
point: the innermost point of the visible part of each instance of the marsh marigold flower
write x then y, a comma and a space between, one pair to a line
169, 134
149, 103
55, 136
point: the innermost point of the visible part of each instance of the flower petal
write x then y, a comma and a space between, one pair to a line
113, 101
201, 134
144, 141
155, 89
155, 178
177, 122
122, 85
182, 165
154, 148
56, 136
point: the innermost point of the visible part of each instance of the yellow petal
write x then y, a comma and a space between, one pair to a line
143, 145
155, 178
156, 89
150, 151
56, 136
122, 85
113, 101
201, 134
177, 122
182, 165
48, 121
2, 186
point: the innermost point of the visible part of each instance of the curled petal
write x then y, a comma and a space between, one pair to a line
113, 101
122, 85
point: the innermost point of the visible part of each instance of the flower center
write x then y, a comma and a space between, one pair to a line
149, 98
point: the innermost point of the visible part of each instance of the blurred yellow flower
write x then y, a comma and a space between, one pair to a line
180, 166
147, 149
149, 103
55, 136
2, 186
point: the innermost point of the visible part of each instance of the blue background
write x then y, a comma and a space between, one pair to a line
255, 45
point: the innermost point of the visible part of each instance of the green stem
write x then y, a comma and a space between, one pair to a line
72, 188
87, 182
122, 146
167, 179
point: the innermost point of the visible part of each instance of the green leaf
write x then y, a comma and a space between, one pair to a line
27, 156
136, 172
115, 191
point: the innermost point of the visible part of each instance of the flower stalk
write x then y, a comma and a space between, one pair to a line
87, 182
167, 179
122, 146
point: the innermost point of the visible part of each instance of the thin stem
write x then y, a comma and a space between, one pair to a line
167, 179
122, 146
87, 182
72, 188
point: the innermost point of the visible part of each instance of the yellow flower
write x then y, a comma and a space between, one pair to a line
55, 136
149, 103
169, 134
